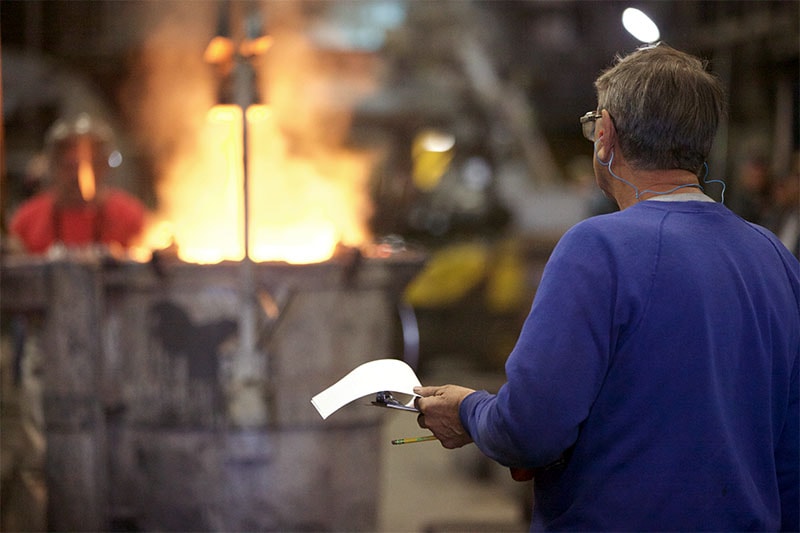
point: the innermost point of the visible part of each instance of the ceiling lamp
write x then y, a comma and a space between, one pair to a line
640, 25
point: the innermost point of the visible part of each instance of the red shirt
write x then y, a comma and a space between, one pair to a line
38, 225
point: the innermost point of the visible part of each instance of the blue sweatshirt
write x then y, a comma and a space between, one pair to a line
655, 381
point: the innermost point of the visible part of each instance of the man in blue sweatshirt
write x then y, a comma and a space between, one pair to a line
654, 385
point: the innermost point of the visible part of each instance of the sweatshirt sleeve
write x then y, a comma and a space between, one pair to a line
787, 460
559, 362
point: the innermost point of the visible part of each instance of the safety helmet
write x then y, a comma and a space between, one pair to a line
81, 125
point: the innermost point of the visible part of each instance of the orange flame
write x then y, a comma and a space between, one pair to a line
256, 47
219, 50
86, 179
297, 215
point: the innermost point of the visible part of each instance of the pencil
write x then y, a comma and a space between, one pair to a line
413, 439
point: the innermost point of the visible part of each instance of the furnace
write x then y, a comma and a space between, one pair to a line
159, 418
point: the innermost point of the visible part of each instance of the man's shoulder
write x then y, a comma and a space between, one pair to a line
619, 233
635, 218
607, 224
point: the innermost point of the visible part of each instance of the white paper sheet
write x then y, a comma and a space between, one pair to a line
370, 378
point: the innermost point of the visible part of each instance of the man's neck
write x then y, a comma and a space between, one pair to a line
650, 183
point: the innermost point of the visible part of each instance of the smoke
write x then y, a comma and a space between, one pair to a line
170, 88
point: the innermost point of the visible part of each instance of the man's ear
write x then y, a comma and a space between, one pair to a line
605, 135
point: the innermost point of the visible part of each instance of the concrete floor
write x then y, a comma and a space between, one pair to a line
426, 488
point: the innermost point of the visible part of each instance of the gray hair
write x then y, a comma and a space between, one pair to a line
665, 106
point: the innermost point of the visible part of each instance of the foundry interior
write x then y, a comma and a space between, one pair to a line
325, 183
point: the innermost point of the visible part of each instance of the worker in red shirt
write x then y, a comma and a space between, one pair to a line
78, 208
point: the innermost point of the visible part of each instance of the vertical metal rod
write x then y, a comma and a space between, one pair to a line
249, 408
246, 180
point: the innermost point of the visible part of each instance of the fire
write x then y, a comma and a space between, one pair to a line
86, 178
297, 214
307, 193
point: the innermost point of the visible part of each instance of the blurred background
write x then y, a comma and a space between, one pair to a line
326, 183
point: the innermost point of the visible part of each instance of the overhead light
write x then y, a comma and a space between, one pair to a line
640, 25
